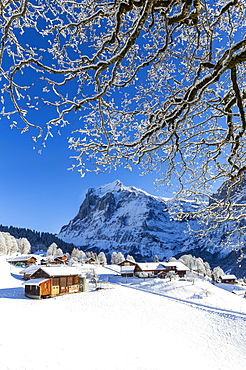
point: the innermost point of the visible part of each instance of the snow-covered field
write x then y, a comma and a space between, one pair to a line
139, 325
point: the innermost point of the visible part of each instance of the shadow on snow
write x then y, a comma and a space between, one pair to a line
13, 293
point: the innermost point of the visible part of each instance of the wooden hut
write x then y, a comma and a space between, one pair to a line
23, 260
228, 279
52, 281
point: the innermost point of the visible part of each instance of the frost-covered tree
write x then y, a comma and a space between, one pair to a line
59, 252
114, 258
200, 268
156, 258
75, 253
172, 259
208, 271
188, 260
217, 272
158, 84
120, 257
52, 250
3, 247
93, 255
130, 258
102, 258
11, 243
171, 275
92, 274
24, 246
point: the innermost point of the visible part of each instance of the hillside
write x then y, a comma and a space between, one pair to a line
120, 328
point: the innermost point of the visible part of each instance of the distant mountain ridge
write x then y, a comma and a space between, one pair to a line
115, 217
119, 218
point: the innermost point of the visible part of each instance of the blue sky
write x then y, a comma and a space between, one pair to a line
37, 191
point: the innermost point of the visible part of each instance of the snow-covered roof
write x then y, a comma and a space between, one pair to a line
145, 266
36, 281
60, 270
60, 256
223, 277
30, 269
179, 265
22, 258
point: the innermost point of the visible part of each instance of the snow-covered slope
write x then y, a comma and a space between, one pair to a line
119, 218
119, 329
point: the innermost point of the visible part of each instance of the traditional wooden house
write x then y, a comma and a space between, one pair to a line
127, 263
176, 266
50, 281
148, 269
228, 279
23, 260
88, 260
160, 269
28, 271
54, 260
62, 259
127, 270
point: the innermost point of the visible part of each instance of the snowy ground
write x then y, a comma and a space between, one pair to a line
164, 325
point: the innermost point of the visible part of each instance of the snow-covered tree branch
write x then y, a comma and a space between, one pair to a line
155, 83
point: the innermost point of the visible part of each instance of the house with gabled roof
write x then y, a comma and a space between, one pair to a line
176, 266
160, 269
28, 271
228, 279
127, 262
148, 269
51, 281
23, 260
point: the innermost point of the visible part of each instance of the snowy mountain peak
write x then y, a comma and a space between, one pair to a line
115, 186
115, 217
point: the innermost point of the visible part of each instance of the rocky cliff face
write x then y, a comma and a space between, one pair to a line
126, 219
119, 218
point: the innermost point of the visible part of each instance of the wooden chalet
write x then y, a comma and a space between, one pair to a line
127, 263
60, 259
148, 269
28, 271
228, 279
127, 270
51, 281
23, 260
177, 267
160, 269
88, 260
